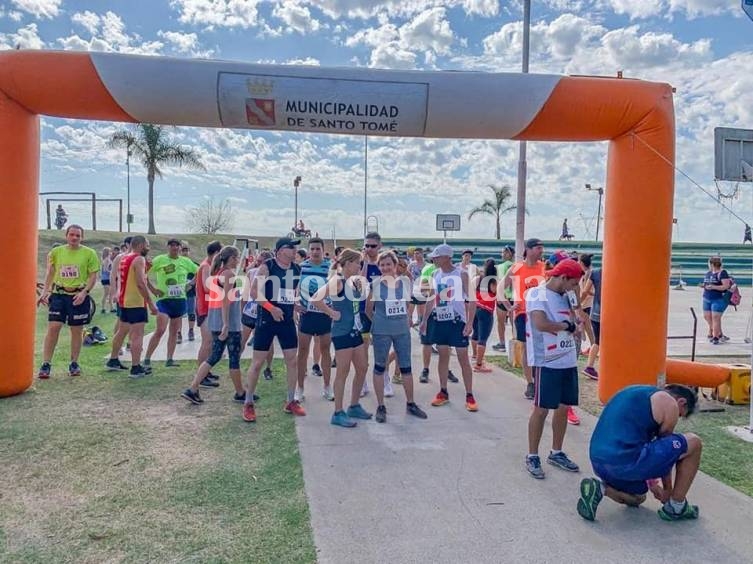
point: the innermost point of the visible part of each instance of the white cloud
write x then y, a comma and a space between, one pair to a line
644, 9
88, 20
696, 8
627, 48
429, 31
218, 13
108, 33
26, 37
39, 8
296, 17
635, 9
366, 9
185, 43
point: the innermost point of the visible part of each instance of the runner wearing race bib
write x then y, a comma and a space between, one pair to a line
250, 310
314, 325
387, 308
449, 323
553, 357
202, 306
170, 272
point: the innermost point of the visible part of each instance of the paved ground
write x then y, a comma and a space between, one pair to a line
453, 489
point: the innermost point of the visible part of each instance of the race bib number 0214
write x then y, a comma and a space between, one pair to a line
395, 308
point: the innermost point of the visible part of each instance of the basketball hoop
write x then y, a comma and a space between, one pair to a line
732, 194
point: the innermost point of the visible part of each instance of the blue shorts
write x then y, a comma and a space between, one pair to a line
315, 323
382, 345
520, 328
482, 326
447, 333
172, 307
349, 341
718, 305
555, 386
596, 325
655, 460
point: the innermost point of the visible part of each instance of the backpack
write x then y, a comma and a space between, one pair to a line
733, 295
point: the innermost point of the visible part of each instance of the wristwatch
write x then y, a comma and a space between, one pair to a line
570, 326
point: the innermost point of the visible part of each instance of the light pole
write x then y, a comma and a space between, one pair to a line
365, 182
296, 184
129, 217
520, 212
598, 217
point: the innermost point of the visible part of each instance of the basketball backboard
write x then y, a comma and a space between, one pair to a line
448, 222
733, 154
748, 8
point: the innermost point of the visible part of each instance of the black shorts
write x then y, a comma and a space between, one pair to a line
447, 333
266, 331
172, 307
315, 323
248, 321
597, 331
105, 282
425, 339
418, 300
349, 341
133, 315
501, 306
520, 328
61, 309
555, 386
200, 319
233, 345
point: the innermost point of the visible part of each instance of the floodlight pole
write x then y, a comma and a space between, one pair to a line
365, 182
296, 183
598, 216
520, 212
128, 188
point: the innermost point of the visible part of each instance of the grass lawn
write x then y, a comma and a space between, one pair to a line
725, 457
101, 468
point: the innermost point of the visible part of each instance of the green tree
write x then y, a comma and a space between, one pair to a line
496, 206
152, 147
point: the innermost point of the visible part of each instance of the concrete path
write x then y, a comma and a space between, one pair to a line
454, 489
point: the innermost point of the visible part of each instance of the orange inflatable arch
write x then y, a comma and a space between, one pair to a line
636, 117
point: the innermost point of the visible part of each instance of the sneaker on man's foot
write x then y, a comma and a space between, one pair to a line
192, 396
213, 376
249, 413
590, 496
74, 369
147, 369
44, 371
170, 363
530, 392
440, 399
723, 338
114, 364
470, 403
424, 378
416, 411
381, 414
341, 419
590, 372
667, 513
241, 397
207, 382
533, 465
451, 377
358, 412
327, 393
191, 336
137, 372
388, 390
572, 417
294, 408
500, 347
316, 370
267, 373
561, 460
179, 338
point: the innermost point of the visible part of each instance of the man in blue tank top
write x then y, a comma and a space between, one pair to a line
634, 448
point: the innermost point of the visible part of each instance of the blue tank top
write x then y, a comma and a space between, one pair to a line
313, 277
350, 320
625, 426
372, 271
279, 288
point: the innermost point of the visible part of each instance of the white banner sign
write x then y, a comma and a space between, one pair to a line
323, 105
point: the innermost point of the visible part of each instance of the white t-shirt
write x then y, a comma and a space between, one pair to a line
545, 349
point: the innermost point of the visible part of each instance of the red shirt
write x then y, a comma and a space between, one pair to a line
202, 307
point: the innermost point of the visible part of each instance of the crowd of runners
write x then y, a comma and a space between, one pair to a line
363, 304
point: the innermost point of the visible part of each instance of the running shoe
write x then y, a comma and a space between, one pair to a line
209, 383
341, 419
381, 414
416, 411
365, 389
267, 373
316, 370
590, 497
484, 368
241, 397
723, 338
74, 369
249, 413
213, 376
327, 393
451, 377
440, 399
294, 408
397, 379
666, 513
192, 396
170, 363
44, 371
715, 341
358, 412
179, 338
191, 336
388, 390
137, 372
470, 403
590, 372
560, 460
533, 465
572, 417
530, 392
114, 364
299, 395
500, 347
147, 369
424, 378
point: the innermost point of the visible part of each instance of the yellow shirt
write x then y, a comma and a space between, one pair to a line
73, 266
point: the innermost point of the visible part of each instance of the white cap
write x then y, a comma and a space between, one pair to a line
441, 251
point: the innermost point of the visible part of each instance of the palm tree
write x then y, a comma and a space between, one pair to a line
497, 206
150, 144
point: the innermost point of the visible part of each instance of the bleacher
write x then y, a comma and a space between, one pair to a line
689, 260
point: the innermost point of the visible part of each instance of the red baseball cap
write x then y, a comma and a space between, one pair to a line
567, 268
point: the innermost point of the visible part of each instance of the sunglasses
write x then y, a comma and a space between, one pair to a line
371, 246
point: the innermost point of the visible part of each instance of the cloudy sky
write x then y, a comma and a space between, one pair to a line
702, 47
